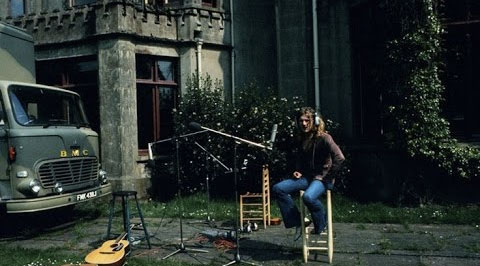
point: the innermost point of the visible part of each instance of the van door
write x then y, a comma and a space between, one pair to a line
3, 144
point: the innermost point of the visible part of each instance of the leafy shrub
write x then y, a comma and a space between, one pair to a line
255, 112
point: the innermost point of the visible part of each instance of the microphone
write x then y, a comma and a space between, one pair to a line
274, 134
194, 126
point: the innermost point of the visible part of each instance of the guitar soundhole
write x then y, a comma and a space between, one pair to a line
117, 247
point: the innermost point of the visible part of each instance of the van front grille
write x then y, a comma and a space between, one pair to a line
68, 171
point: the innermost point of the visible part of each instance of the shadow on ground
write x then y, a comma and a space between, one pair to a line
30, 225
259, 250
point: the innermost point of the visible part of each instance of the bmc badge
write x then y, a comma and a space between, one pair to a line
74, 153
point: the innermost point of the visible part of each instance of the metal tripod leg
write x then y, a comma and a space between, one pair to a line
181, 248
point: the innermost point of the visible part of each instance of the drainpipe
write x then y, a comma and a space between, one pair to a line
199, 41
315, 55
232, 53
199, 60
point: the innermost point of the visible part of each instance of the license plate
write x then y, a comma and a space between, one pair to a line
87, 195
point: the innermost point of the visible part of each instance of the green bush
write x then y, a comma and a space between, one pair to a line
255, 112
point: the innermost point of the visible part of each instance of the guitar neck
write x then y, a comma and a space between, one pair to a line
123, 235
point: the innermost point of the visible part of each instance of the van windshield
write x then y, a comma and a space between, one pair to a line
33, 106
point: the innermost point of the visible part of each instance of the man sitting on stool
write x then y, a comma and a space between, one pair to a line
317, 157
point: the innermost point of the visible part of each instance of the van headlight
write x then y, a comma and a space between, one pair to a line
102, 176
35, 186
58, 187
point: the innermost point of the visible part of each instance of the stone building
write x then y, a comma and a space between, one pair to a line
130, 59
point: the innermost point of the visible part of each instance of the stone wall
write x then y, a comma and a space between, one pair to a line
255, 43
115, 31
295, 37
295, 56
335, 64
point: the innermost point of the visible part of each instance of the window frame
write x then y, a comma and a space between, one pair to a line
462, 21
210, 3
156, 84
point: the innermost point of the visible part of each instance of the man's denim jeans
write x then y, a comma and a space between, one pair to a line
311, 198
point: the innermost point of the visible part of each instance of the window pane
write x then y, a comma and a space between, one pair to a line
165, 70
17, 8
35, 106
462, 67
167, 103
143, 67
144, 115
83, 2
50, 72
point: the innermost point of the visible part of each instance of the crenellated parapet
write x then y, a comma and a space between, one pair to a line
127, 17
211, 24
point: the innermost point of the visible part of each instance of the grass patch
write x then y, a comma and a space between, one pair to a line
361, 227
37, 257
472, 247
33, 257
385, 246
345, 210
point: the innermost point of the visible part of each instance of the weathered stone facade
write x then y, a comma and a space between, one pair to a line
114, 32
272, 46
295, 56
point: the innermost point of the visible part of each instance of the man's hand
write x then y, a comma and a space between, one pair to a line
297, 174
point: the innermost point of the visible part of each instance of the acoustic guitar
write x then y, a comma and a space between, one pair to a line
111, 253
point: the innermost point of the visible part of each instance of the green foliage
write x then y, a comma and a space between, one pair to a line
255, 112
252, 118
349, 211
202, 103
417, 94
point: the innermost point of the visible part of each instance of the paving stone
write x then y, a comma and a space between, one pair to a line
354, 244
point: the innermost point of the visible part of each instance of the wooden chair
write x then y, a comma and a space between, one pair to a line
256, 206
318, 243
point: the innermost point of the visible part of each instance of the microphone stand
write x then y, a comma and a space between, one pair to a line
236, 141
208, 155
181, 248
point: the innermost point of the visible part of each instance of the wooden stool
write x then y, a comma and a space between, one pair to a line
124, 195
256, 206
323, 245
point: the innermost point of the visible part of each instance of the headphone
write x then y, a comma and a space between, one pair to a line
316, 119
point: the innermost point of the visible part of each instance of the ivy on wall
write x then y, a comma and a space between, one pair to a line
416, 96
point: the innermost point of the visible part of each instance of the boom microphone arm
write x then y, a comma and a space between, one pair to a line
150, 152
197, 126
